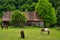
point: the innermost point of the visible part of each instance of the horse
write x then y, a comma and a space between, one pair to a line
45, 30
5, 24
6, 27
22, 34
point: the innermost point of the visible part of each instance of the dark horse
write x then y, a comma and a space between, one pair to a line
45, 30
22, 34
5, 24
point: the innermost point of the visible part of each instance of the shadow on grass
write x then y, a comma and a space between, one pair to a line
24, 27
45, 34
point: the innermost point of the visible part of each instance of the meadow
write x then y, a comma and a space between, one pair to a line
31, 33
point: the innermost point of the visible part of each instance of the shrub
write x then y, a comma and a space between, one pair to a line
18, 18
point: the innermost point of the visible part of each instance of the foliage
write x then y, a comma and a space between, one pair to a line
55, 3
1, 13
18, 18
17, 4
10, 8
46, 11
28, 5
58, 16
58, 28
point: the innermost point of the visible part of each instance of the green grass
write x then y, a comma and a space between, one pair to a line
30, 34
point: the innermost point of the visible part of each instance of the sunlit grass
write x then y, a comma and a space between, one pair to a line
30, 34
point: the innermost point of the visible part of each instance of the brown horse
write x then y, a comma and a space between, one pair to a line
22, 34
45, 30
5, 24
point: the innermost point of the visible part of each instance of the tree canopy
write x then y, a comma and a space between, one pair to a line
55, 3
46, 11
11, 5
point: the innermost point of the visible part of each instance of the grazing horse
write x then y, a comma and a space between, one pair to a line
5, 24
45, 30
22, 34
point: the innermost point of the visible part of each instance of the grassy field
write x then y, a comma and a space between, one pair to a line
30, 34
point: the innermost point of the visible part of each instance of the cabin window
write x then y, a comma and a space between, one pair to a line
38, 24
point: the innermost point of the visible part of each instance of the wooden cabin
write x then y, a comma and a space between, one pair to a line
32, 18
6, 18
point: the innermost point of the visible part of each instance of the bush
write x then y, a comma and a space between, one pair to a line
1, 14
58, 28
18, 18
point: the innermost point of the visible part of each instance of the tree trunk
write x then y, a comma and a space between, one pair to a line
44, 24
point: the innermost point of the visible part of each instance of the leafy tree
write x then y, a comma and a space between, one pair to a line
2, 4
46, 12
18, 18
1, 13
28, 5
55, 3
58, 16
21, 5
10, 8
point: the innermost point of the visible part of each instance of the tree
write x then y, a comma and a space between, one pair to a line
58, 16
18, 18
2, 4
55, 3
28, 5
46, 12
21, 5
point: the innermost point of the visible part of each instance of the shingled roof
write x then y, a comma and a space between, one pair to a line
31, 16
6, 16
